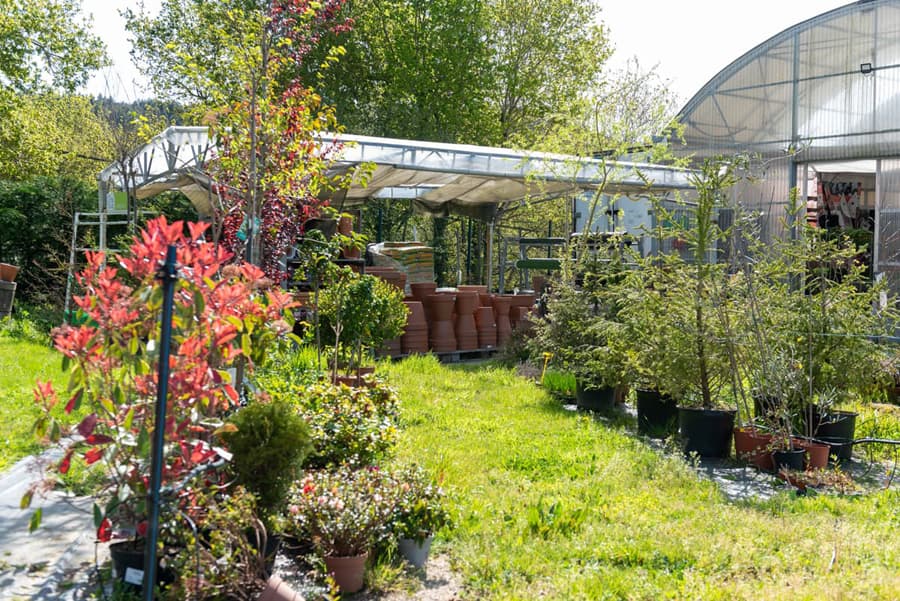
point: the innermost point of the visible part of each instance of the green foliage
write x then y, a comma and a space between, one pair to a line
221, 558
36, 230
269, 442
419, 509
347, 424
46, 42
54, 136
359, 313
342, 512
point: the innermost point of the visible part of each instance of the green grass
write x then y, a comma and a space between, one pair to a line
553, 504
21, 363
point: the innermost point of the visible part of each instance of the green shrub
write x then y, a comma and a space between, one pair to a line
348, 424
269, 441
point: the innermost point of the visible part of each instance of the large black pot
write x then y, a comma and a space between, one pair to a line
657, 414
706, 432
594, 399
837, 425
791, 459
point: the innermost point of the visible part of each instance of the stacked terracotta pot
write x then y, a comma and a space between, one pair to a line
466, 329
441, 331
415, 337
487, 327
390, 275
345, 227
520, 307
501, 316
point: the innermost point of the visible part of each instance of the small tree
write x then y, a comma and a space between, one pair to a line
223, 316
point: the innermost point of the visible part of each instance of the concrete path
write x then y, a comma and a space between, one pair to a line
55, 561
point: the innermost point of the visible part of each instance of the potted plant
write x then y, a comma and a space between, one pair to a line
342, 513
224, 317
268, 441
419, 512
699, 306
358, 314
580, 326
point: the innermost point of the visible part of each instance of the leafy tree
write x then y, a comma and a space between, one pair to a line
45, 43
35, 229
230, 59
53, 135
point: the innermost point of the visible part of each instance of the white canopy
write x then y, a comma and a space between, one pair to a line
439, 178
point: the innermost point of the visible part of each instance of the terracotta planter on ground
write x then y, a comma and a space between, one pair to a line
348, 572
465, 329
442, 337
816, 453
487, 327
501, 315
415, 335
279, 590
753, 446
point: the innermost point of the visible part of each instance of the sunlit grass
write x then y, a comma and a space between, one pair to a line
21, 363
554, 504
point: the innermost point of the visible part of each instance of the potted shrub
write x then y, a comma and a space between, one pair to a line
342, 513
268, 442
224, 317
419, 513
579, 327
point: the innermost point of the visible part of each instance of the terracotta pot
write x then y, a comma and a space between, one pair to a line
473, 288
8, 272
466, 332
816, 453
416, 317
345, 225
441, 336
752, 445
422, 290
278, 590
350, 252
466, 302
501, 315
537, 283
486, 300
440, 307
521, 300
517, 315
347, 572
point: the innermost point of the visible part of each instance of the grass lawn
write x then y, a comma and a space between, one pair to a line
553, 504
21, 363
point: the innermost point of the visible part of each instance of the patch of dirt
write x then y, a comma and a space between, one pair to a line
439, 583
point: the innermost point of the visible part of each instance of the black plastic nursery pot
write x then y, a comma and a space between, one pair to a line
706, 432
839, 449
594, 399
657, 414
791, 459
127, 558
837, 425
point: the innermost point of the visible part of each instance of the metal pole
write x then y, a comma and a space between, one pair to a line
489, 254
168, 277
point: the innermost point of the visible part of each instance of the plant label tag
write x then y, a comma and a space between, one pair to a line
133, 576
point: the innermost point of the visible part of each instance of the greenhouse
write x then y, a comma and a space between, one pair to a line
819, 104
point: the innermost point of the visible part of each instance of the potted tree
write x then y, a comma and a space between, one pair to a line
358, 313
268, 441
699, 307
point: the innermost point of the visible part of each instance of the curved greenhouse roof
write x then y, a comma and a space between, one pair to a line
828, 87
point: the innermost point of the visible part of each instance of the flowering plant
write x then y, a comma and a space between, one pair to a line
341, 512
223, 317
419, 511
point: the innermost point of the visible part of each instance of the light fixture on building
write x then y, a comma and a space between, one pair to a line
866, 68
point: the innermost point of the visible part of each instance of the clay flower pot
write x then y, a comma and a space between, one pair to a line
442, 336
501, 315
347, 572
8, 272
752, 445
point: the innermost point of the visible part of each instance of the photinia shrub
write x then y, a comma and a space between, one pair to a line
224, 317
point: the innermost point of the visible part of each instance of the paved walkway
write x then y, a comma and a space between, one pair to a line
53, 562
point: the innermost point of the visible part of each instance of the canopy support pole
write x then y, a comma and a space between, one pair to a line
489, 254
